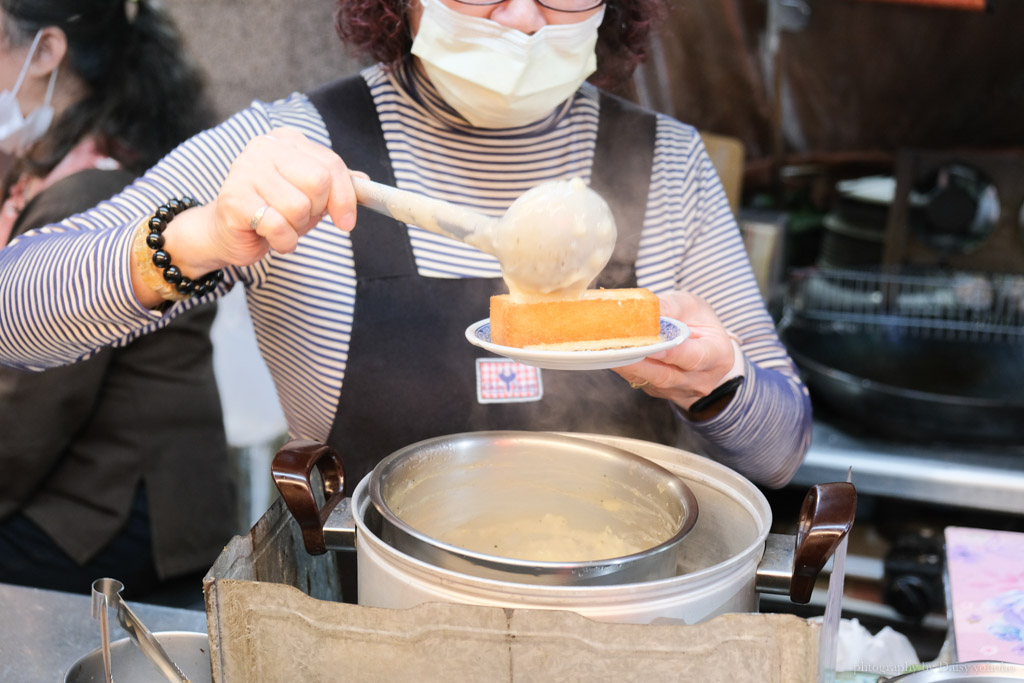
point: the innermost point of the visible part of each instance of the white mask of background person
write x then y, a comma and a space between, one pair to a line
18, 132
507, 64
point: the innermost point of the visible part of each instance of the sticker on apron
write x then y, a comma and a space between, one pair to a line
500, 380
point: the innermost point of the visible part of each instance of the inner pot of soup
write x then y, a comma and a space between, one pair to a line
532, 507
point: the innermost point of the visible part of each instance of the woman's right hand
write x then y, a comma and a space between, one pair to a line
296, 179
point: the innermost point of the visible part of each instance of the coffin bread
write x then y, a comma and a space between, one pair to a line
599, 319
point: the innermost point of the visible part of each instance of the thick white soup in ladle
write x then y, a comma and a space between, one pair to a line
551, 243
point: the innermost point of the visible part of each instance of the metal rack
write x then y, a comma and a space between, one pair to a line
950, 306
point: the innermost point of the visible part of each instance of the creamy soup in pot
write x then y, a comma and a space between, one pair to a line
548, 538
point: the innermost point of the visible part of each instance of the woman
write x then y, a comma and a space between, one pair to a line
363, 329
101, 479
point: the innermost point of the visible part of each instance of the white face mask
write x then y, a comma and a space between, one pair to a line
499, 77
17, 132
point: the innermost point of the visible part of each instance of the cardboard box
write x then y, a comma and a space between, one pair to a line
273, 615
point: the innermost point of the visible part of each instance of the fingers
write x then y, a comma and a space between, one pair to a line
272, 226
691, 369
688, 308
277, 190
669, 380
696, 354
321, 174
651, 376
291, 202
672, 306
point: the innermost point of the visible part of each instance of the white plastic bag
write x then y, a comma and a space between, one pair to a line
888, 652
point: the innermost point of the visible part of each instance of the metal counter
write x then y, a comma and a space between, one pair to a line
43, 632
982, 478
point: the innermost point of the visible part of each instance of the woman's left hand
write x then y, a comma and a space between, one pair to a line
692, 369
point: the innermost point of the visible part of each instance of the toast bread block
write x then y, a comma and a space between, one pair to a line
600, 319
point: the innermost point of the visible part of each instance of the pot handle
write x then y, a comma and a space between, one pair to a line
292, 469
826, 517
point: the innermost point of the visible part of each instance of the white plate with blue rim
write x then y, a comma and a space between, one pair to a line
672, 334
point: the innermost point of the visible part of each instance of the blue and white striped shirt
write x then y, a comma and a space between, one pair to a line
65, 290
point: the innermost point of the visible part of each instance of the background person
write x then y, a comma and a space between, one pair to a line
362, 329
115, 466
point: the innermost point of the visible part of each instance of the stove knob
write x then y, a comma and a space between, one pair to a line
909, 595
912, 581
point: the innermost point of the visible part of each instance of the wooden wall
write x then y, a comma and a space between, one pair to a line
861, 78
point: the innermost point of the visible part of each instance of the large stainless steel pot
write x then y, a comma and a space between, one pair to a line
528, 507
728, 557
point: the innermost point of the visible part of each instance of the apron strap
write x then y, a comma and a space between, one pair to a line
380, 243
350, 116
623, 162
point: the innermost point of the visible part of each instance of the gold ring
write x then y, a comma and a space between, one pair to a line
254, 222
639, 385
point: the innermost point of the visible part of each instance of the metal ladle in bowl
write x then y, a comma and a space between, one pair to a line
551, 242
107, 593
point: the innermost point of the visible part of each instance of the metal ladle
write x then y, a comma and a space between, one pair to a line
107, 593
553, 240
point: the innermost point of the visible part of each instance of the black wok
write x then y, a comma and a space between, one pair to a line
898, 385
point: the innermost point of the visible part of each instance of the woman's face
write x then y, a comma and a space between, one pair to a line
12, 58
523, 15
50, 50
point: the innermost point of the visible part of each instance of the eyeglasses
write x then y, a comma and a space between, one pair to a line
556, 5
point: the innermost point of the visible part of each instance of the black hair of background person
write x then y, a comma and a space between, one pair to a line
145, 95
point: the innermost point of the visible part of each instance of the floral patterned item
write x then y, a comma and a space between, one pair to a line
985, 571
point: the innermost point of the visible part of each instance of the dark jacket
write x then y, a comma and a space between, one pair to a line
76, 441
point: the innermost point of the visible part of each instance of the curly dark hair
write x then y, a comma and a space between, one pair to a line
378, 29
144, 94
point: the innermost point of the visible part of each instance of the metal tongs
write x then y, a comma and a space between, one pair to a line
107, 593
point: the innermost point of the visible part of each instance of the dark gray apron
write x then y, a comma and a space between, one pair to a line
411, 374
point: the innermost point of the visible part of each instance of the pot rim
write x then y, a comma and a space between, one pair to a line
713, 475
709, 473
580, 568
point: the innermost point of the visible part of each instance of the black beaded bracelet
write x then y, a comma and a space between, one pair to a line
160, 259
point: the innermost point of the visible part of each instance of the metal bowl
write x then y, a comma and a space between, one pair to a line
533, 507
965, 672
189, 650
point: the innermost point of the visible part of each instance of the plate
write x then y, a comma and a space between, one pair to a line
673, 333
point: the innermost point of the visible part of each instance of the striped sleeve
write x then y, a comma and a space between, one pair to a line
692, 242
65, 289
